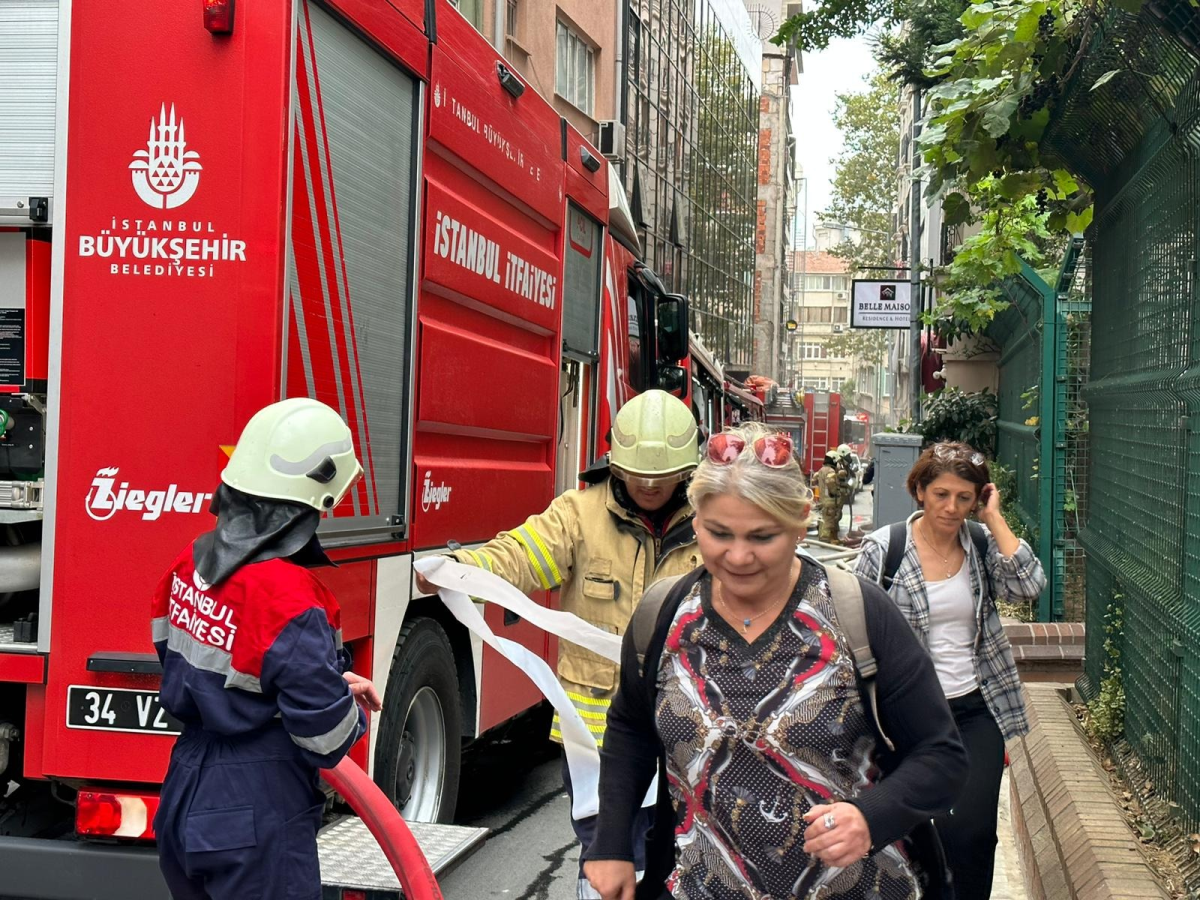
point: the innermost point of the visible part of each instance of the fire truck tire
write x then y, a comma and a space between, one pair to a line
419, 749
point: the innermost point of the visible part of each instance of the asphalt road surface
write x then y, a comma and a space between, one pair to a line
515, 789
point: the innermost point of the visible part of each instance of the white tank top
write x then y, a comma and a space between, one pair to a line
952, 632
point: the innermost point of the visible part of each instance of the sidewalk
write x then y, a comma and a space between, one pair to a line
1008, 883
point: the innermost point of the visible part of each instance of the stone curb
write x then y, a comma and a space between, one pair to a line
1073, 840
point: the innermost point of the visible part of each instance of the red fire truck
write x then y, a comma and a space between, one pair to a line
822, 428
351, 200
856, 431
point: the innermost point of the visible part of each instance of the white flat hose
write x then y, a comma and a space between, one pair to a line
458, 584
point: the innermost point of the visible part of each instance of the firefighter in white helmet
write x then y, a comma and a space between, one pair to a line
602, 547
253, 666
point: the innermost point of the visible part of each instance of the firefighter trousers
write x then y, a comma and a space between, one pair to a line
585, 831
238, 818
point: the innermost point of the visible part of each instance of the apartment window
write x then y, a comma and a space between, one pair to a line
472, 11
816, 384
814, 351
819, 282
818, 314
841, 283
841, 314
575, 70
510, 20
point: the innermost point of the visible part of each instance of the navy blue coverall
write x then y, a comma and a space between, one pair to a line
253, 668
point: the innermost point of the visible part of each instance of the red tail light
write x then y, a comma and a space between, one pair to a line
112, 814
351, 894
218, 16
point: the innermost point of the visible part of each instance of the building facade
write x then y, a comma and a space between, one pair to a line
821, 309
568, 57
682, 82
690, 101
777, 182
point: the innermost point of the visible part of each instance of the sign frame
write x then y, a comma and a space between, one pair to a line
889, 320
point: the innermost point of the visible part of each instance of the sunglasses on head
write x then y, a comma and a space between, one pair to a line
945, 452
772, 450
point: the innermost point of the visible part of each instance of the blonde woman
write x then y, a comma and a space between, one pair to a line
746, 701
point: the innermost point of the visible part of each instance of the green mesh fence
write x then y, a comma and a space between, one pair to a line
1071, 433
1018, 334
1136, 139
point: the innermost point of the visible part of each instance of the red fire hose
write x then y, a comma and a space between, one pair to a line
384, 822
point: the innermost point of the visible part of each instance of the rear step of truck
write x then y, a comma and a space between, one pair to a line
351, 860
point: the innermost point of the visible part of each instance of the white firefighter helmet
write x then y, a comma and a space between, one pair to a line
298, 450
654, 434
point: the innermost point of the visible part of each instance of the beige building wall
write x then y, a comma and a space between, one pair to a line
528, 38
820, 299
776, 206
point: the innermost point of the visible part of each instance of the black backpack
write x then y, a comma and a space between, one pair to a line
898, 543
845, 589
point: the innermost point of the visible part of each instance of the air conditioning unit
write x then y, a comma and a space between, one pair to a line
838, 329
840, 295
612, 140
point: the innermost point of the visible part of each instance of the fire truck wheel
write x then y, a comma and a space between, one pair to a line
419, 748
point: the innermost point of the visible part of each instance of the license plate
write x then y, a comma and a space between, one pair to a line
118, 709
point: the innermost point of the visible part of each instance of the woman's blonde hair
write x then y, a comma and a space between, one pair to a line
780, 493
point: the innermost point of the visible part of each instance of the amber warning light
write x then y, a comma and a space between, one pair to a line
218, 16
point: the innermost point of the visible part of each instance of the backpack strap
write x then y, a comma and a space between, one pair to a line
645, 616
897, 543
980, 539
846, 591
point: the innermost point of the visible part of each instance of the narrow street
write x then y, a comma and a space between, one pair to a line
515, 790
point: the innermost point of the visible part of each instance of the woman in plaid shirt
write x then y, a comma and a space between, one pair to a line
947, 589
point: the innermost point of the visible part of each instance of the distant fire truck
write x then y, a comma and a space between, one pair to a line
354, 201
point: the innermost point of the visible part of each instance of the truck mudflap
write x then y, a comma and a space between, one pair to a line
351, 857
81, 870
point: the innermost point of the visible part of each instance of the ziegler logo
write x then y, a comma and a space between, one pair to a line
103, 502
165, 174
434, 495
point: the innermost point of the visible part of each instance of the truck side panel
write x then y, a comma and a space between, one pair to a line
489, 320
170, 329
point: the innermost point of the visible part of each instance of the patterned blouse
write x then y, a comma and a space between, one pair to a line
757, 734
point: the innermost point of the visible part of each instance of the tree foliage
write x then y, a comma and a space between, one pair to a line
863, 194
814, 28
973, 284
984, 124
906, 53
994, 71
864, 183
956, 415
990, 112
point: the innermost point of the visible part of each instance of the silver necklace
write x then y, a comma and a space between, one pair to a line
945, 558
747, 621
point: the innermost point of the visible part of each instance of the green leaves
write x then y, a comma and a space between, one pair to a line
996, 88
864, 184
952, 414
996, 119
1077, 223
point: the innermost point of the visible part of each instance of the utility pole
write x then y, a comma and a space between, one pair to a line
914, 274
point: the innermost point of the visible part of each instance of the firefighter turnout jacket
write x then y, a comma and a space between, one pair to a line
601, 557
261, 650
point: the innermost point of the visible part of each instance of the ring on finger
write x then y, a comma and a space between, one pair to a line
829, 821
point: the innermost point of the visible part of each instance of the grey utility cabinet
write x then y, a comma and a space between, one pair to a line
895, 455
